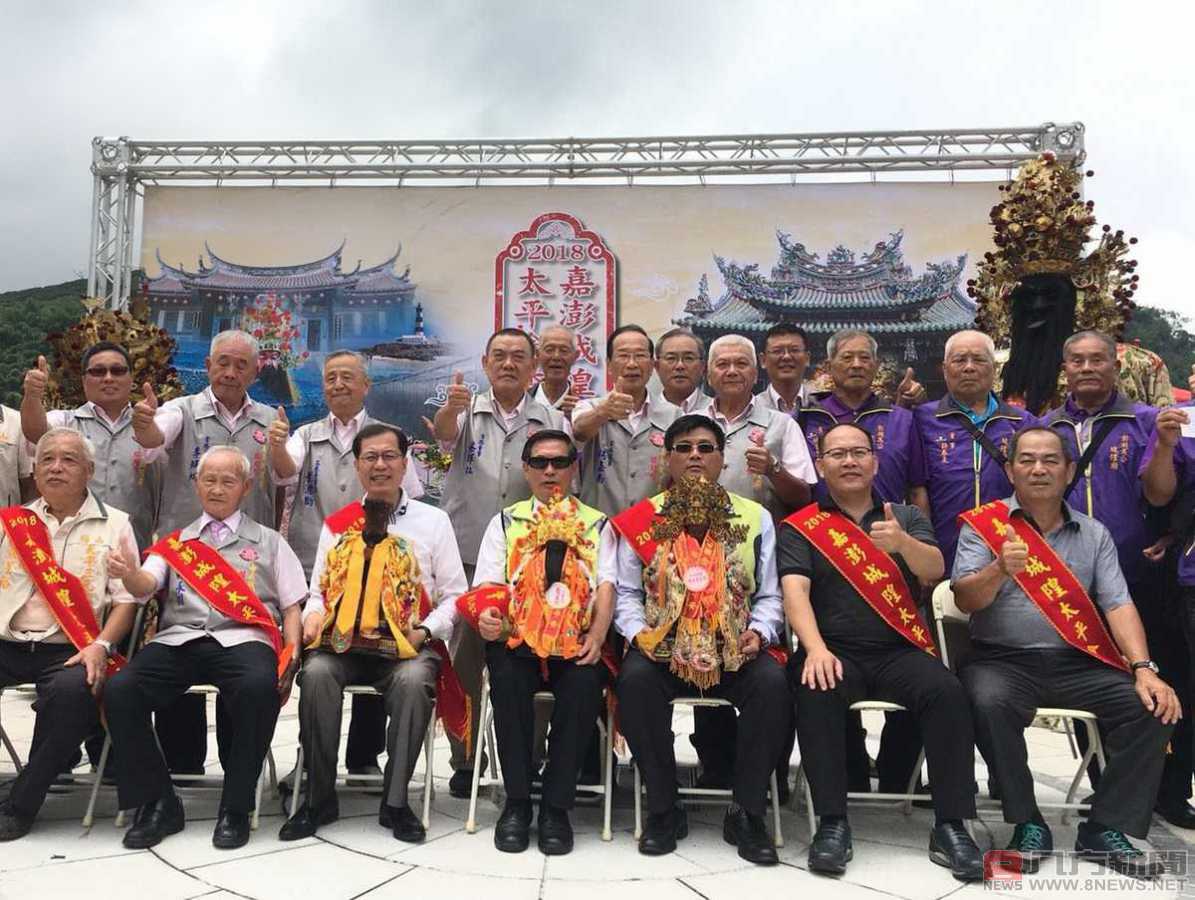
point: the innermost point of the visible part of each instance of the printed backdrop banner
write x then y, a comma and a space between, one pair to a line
417, 278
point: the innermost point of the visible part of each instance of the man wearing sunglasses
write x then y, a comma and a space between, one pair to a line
699, 602
127, 475
545, 627
851, 568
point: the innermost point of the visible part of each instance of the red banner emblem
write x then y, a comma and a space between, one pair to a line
635, 525
873, 574
348, 518
1048, 582
62, 591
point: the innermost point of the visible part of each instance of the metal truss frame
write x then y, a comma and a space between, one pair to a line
121, 166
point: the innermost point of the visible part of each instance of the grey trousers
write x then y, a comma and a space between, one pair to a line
408, 688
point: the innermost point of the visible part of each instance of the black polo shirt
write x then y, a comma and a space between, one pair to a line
844, 618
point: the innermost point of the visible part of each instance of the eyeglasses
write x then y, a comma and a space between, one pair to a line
390, 457
556, 462
671, 359
103, 371
838, 454
705, 448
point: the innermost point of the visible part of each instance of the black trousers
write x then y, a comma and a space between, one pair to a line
246, 675
758, 690
514, 679
66, 714
367, 732
936, 703
1006, 685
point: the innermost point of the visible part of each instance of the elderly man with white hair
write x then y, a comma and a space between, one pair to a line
231, 583
60, 613
965, 436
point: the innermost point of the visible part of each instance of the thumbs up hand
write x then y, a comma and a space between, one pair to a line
910, 391
37, 379
459, 395
759, 458
887, 533
279, 429
145, 409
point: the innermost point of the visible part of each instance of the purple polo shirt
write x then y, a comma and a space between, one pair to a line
1184, 470
960, 474
902, 465
1110, 491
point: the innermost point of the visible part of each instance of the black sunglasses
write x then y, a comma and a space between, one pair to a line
705, 448
556, 462
102, 371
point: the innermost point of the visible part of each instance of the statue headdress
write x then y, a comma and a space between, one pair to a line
1041, 227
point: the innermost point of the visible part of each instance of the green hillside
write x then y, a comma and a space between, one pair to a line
26, 317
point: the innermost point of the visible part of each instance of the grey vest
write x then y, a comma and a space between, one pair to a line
620, 468
735, 476
203, 429
487, 472
10, 455
184, 611
327, 482
121, 479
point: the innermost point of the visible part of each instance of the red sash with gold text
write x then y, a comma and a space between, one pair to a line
453, 705
635, 525
1046, 580
211, 576
873, 574
63, 592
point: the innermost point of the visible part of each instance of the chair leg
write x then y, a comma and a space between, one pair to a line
907, 807
778, 837
89, 816
809, 809
262, 777
608, 775
294, 796
12, 751
429, 740
483, 734
638, 800
1093, 738
1070, 738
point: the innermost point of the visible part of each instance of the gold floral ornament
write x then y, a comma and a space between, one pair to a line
1041, 227
695, 501
150, 351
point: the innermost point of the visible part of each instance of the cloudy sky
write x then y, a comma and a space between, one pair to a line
298, 69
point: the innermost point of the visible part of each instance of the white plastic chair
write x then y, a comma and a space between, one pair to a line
489, 744
364, 782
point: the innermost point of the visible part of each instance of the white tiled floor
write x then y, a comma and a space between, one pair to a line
356, 858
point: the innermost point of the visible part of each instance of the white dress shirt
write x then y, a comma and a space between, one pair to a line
429, 532
794, 457
345, 433
632, 419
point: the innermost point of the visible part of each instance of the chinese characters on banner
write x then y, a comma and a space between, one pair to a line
557, 273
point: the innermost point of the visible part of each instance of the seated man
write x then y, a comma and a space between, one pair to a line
387, 574
230, 582
1031, 572
852, 607
54, 594
545, 626
699, 601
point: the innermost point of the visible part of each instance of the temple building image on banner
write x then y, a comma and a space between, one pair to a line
299, 310
909, 315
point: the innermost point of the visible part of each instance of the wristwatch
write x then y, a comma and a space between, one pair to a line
1145, 664
107, 645
775, 467
427, 632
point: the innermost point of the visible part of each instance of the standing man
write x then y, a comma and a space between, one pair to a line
1031, 570
54, 597
623, 433
852, 568
556, 355
699, 603
231, 584
16, 465
127, 475
965, 436
785, 359
545, 624
386, 579
680, 366
486, 433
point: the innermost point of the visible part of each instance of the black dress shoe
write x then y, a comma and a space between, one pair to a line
155, 821
406, 825
512, 834
1180, 814
307, 821
747, 832
1114, 850
13, 824
662, 831
232, 831
555, 831
831, 849
460, 785
952, 847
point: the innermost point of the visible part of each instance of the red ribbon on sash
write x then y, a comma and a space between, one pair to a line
473, 603
1048, 582
873, 574
214, 579
62, 591
454, 707
635, 525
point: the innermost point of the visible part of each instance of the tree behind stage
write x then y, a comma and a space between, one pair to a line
1168, 334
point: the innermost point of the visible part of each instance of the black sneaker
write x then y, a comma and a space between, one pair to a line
1111, 848
831, 849
1032, 842
13, 824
